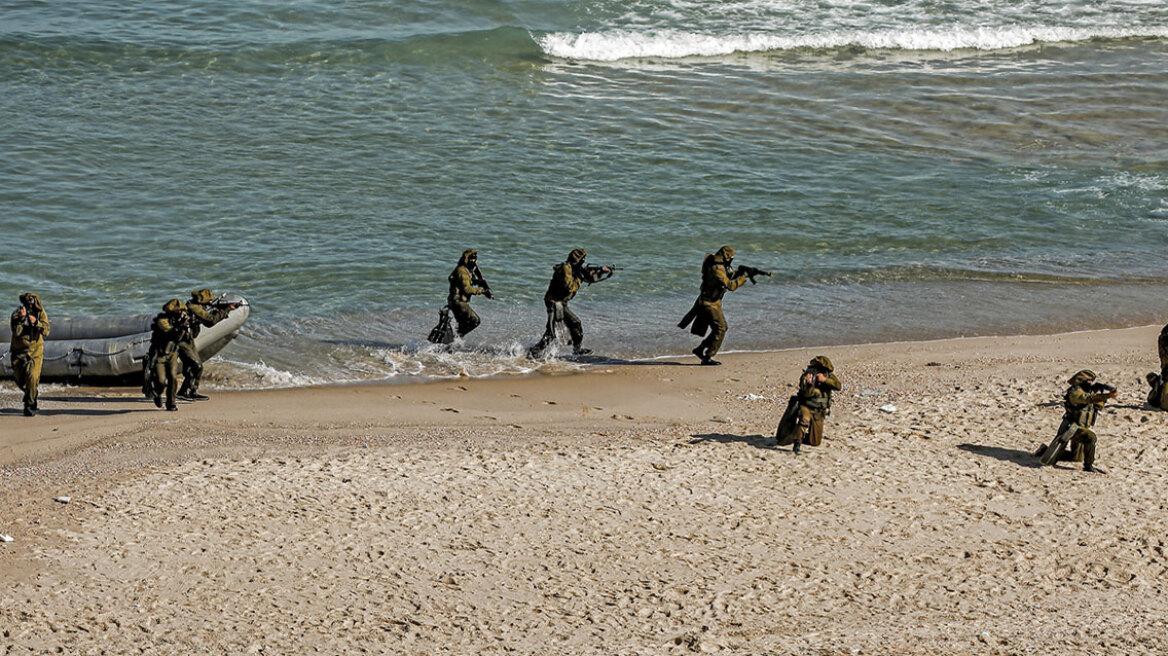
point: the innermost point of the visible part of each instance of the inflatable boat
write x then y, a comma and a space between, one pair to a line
115, 346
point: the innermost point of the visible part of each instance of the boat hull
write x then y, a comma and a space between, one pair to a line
115, 346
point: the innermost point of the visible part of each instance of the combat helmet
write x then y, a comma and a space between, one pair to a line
822, 362
577, 256
202, 296
174, 306
1084, 376
724, 255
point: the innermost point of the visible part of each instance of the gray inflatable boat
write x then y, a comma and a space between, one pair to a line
115, 346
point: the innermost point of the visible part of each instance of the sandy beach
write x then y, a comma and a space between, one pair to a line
638, 508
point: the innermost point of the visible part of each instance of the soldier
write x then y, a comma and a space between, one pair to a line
30, 325
706, 314
200, 313
803, 421
463, 281
1082, 403
162, 362
1163, 344
1158, 395
567, 277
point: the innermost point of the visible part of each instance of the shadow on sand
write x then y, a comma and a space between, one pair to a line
757, 441
79, 412
1020, 458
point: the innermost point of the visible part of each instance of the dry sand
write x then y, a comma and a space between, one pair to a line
637, 509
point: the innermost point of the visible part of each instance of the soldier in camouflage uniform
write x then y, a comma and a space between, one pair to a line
1082, 403
162, 362
200, 313
803, 422
566, 279
1163, 344
29, 325
1158, 395
718, 277
462, 287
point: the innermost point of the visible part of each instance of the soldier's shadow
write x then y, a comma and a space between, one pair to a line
757, 441
613, 362
81, 412
1018, 457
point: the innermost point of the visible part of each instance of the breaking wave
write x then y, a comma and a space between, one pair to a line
669, 44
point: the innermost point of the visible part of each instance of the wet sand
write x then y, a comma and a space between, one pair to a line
636, 509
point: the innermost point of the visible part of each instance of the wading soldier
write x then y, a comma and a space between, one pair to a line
567, 277
803, 421
1082, 403
465, 281
200, 313
162, 362
706, 314
30, 325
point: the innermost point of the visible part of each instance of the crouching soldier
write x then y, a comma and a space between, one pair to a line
1162, 342
1082, 403
29, 325
802, 423
1158, 395
200, 313
162, 361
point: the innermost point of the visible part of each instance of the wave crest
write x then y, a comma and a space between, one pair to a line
625, 44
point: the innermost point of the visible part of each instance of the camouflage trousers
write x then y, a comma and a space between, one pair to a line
711, 314
26, 369
559, 312
165, 376
466, 317
192, 367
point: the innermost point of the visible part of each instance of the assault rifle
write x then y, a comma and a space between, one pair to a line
1099, 388
751, 272
593, 273
476, 278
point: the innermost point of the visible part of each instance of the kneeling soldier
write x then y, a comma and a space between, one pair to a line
803, 421
1082, 403
1158, 395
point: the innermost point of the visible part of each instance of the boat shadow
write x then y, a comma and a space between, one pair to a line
757, 441
1021, 458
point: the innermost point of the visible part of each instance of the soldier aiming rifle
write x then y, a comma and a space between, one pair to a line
567, 277
718, 277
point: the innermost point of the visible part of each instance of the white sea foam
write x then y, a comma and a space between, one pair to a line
668, 44
259, 375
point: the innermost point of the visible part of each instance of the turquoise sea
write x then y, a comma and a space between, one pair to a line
906, 170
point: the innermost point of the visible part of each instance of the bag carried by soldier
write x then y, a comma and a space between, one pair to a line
788, 430
443, 333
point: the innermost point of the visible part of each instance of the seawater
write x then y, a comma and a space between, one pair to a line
905, 169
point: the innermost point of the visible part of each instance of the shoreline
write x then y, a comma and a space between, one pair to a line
639, 508
89, 398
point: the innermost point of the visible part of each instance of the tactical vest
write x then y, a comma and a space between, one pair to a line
821, 401
1080, 415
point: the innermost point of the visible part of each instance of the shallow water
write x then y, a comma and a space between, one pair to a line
906, 170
